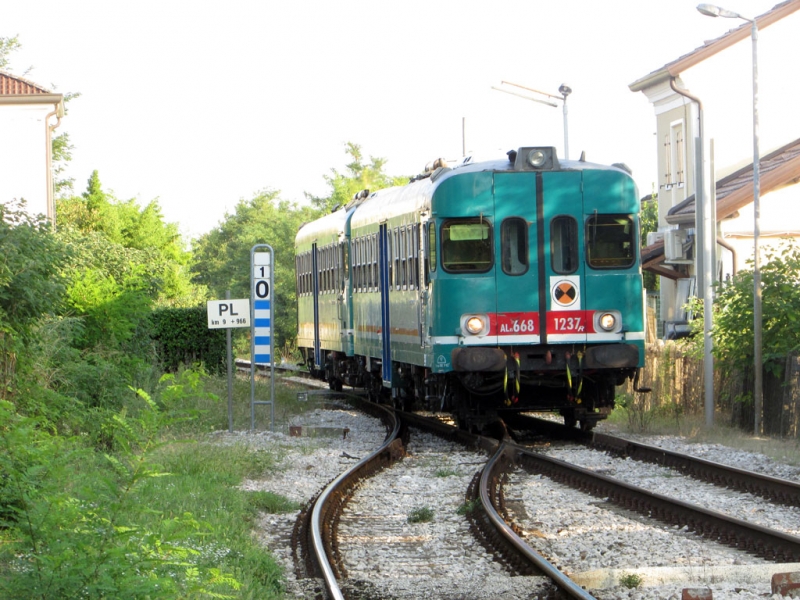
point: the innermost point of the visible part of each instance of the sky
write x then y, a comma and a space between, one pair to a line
200, 105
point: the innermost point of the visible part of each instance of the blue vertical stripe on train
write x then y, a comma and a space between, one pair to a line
262, 304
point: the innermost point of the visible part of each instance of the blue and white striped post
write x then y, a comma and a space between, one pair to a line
261, 346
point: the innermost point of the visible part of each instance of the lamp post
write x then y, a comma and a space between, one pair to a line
758, 393
563, 89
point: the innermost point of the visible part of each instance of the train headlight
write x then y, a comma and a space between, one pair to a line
608, 321
537, 158
475, 324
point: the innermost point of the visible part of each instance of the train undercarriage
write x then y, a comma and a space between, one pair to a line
483, 389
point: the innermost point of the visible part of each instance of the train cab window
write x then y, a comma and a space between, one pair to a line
610, 241
514, 245
564, 244
467, 246
430, 264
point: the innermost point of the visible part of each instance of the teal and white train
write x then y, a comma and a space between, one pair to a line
480, 287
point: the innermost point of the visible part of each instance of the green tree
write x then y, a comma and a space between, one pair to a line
31, 285
358, 176
648, 222
733, 317
124, 240
7, 46
222, 256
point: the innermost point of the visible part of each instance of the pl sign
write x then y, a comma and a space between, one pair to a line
224, 314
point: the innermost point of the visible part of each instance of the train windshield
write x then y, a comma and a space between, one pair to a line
466, 245
610, 241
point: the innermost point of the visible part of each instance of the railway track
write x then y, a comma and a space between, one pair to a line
495, 522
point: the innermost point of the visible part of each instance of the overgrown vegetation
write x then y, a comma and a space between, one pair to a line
109, 485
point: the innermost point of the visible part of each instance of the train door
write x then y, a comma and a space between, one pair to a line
517, 211
315, 288
384, 285
424, 281
562, 210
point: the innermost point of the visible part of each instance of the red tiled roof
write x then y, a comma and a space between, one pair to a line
11, 85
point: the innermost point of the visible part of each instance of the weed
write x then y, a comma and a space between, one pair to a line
469, 506
445, 472
631, 580
421, 515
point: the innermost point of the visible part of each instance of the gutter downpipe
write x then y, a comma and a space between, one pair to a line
705, 235
51, 202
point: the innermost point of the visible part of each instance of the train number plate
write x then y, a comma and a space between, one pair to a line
570, 321
515, 323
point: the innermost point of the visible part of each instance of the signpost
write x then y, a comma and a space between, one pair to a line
261, 345
226, 314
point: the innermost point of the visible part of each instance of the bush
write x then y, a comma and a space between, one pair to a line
183, 338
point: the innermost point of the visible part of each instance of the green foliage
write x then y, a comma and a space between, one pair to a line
631, 581
72, 524
733, 316
183, 338
7, 46
469, 507
423, 514
31, 281
129, 243
358, 176
445, 472
222, 256
31, 285
271, 503
648, 222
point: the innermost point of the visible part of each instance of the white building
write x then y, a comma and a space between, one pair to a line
28, 115
716, 80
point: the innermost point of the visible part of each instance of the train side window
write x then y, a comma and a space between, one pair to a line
325, 270
390, 257
414, 240
328, 285
374, 245
345, 260
430, 265
356, 254
564, 244
610, 241
395, 235
403, 258
514, 245
467, 246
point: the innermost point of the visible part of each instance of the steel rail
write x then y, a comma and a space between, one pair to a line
762, 541
339, 484
562, 581
776, 489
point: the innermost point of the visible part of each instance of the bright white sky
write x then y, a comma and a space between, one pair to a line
203, 103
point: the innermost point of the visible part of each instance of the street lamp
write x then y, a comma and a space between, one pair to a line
758, 394
563, 89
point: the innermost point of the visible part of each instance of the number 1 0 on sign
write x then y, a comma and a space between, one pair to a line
262, 306
261, 346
